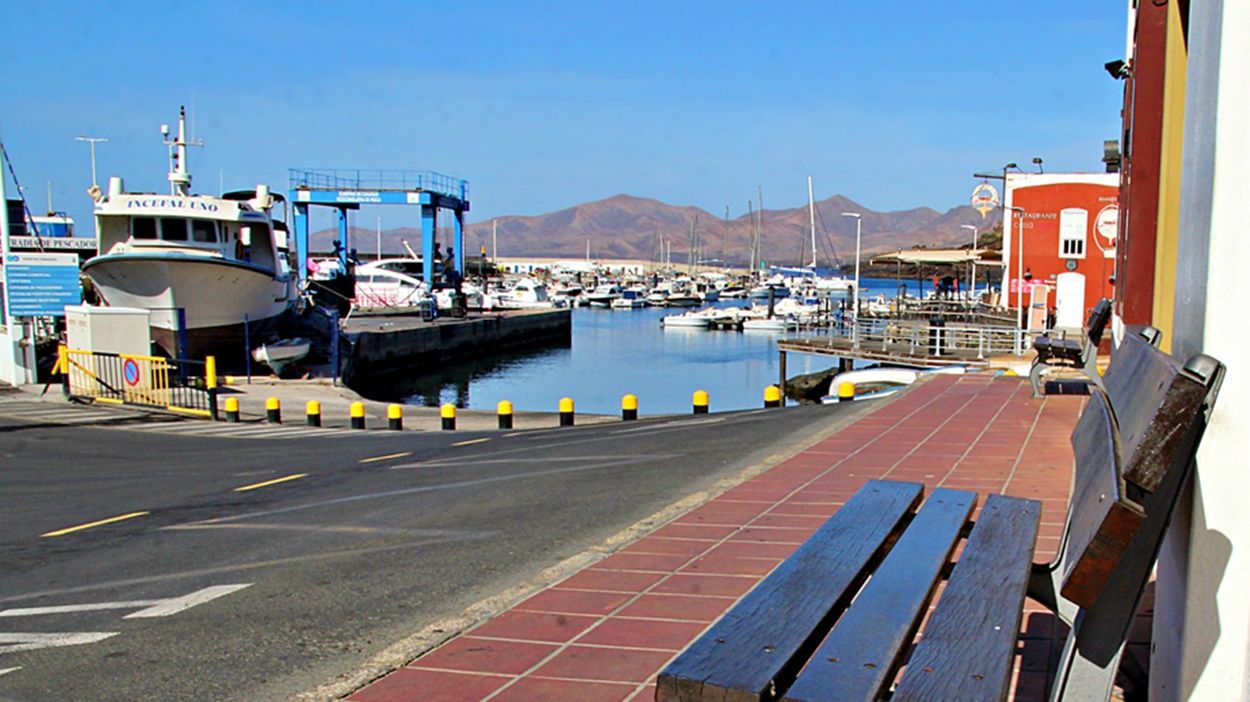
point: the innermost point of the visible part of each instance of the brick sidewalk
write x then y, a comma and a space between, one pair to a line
606, 632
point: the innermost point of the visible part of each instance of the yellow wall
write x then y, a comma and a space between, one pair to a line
1170, 177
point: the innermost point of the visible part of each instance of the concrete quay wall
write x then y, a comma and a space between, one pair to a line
383, 346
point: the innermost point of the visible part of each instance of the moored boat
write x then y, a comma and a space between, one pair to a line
208, 265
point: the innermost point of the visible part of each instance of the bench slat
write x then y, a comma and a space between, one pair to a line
859, 659
757, 648
966, 652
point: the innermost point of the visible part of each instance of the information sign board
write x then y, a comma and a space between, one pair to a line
41, 284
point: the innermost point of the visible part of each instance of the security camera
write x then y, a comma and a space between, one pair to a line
164, 130
1117, 69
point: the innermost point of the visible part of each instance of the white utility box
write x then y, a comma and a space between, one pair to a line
123, 330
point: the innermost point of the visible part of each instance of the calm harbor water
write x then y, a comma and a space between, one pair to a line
615, 352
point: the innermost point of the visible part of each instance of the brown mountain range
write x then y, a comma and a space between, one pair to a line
628, 227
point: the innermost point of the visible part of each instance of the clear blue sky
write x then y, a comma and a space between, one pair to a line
540, 106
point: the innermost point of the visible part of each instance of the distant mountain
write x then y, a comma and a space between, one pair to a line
628, 227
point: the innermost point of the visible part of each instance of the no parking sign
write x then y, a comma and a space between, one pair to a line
130, 371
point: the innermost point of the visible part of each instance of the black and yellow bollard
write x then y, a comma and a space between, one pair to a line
504, 409
629, 408
448, 412
395, 417
566, 411
846, 391
273, 411
357, 413
232, 409
210, 383
312, 411
772, 396
700, 401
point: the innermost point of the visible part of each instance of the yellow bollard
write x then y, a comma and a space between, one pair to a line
232, 409
846, 391
566, 411
357, 412
273, 410
395, 417
700, 401
629, 408
210, 372
313, 412
772, 396
504, 409
448, 412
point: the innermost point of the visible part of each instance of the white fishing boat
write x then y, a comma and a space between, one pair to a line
280, 354
696, 318
875, 383
211, 262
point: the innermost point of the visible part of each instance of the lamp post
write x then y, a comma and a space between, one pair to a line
973, 227
92, 141
859, 221
1019, 246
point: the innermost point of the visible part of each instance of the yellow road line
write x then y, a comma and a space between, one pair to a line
267, 483
109, 400
470, 442
89, 525
387, 457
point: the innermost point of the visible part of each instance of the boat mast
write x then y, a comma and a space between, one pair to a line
811, 214
494, 239
751, 253
179, 173
759, 239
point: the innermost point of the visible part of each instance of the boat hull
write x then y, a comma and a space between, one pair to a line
216, 295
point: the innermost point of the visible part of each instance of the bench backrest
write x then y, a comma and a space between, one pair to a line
1134, 447
1099, 318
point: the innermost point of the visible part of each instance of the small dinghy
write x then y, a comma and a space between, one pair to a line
279, 354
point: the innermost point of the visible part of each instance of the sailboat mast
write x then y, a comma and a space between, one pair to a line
759, 240
811, 214
751, 253
494, 239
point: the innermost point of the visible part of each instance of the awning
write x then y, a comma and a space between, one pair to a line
942, 257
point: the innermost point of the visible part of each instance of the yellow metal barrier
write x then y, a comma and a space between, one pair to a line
149, 381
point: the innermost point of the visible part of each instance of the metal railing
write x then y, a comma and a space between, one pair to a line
912, 338
182, 386
377, 180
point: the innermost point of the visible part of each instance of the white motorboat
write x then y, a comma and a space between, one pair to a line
280, 354
377, 286
207, 263
696, 319
771, 324
629, 300
874, 383
523, 293
603, 295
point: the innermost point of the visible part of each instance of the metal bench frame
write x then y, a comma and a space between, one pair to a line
1050, 352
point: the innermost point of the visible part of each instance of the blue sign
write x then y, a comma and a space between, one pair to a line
41, 285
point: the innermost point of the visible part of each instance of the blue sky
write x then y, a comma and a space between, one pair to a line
544, 105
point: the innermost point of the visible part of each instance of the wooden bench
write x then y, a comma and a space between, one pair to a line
1055, 352
837, 619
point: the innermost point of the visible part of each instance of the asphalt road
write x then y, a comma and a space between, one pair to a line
202, 592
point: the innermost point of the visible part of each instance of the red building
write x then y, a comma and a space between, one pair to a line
1068, 228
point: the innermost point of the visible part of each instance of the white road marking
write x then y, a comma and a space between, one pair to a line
11, 642
151, 608
4, 671
175, 605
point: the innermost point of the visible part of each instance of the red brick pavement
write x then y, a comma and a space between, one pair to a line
606, 632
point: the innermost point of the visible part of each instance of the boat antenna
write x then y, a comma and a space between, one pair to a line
179, 173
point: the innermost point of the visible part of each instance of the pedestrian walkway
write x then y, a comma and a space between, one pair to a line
606, 632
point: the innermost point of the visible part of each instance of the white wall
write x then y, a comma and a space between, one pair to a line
1202, 604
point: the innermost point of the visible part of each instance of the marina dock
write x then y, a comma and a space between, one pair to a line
383, 345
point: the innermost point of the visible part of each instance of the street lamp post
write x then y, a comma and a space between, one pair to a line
973, 227
92, 141
859, 221
1019, 246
